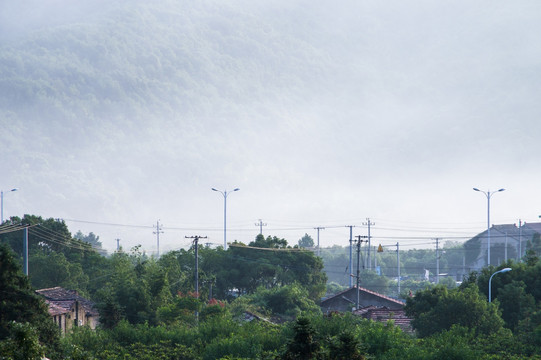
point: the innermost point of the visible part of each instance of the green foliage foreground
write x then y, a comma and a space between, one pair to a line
309, 337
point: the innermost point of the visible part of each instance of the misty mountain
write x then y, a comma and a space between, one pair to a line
108, 106
100, 83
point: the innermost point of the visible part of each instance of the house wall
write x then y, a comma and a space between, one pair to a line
91, 321
60, 321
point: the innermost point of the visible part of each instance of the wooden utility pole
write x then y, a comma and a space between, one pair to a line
358, 280
196, 247
25, 251
350, 253
437, 261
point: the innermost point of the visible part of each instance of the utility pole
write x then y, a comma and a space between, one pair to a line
196, 247
318, 228
368, 223
350, 252
437, 262
25, 251
358, 280
519, 240
260, 224
398, 262
157, 232
505, 252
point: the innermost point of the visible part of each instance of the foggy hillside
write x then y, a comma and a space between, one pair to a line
83, 90
121, 109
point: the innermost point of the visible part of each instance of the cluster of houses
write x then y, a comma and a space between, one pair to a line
68, 309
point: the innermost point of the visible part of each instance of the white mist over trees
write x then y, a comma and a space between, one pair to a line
117, 111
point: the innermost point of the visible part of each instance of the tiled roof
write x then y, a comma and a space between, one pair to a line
513, 231
64, 298
58, 307
536, 227
384, 314
398, 302
59, 293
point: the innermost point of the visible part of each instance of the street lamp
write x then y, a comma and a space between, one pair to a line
2, 204
490, 281
225, 193
488, 194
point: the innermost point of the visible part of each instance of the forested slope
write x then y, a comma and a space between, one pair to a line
84, 89
169, 59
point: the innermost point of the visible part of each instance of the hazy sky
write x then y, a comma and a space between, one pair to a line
426, 101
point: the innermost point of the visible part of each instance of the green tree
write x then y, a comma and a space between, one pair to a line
438, 309
128, 288
246, 268
288, 300
92, 239
49, 269
334, 288
22, 343
345, 346
22, 305
529, 332
535, 244
516, 303
269, 242
304, 344
306, 241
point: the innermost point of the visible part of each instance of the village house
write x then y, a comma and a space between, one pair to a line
346, 300
68, 309
507, 241
372, 305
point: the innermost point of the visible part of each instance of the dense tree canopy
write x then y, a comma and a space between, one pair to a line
306, 241
438, 309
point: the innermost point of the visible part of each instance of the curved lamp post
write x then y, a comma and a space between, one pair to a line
2, 204
225, 193
488, 194
490, 282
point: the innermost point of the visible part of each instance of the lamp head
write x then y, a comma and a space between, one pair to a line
476, 189
237, 189
505, 270
501, 190
213, 189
